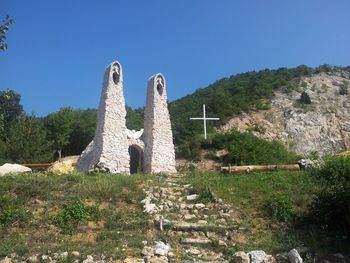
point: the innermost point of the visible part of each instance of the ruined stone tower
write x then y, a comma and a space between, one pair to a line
118, 150
158, 137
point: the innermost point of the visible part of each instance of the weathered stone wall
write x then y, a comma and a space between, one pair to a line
159, 153
109, 149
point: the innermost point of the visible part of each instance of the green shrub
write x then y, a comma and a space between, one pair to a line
331, 207
70, 217
335, 172
305, 98
246, 148
205, 196
190, 149
280, 207
343, 88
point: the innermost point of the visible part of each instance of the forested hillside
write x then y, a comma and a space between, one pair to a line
30, 139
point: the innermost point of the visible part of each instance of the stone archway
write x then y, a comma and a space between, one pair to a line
136, 159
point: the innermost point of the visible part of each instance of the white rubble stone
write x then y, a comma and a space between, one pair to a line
294, 256
189, 216
199, 206
161, 249
89, 259
9, 168
192, 197
257, 256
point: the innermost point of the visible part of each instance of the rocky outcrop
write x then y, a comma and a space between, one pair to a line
322, 126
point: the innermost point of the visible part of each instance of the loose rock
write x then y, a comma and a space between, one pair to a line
294, 256
192, 197
257, 256
9, 168
241, 257
161, 249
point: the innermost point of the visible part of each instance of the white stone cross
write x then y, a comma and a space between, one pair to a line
205, 119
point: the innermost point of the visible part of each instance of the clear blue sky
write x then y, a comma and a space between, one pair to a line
58, 50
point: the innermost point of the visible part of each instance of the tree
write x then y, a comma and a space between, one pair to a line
83, 130
134, 118
305, 98
59, 126
4, 27
10, 110
10, 106
27, 142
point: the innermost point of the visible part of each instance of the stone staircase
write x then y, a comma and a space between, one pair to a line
195, 229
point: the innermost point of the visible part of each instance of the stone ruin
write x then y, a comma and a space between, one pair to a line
117, 149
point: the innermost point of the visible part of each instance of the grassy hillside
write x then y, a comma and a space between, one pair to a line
93, 214
101, 213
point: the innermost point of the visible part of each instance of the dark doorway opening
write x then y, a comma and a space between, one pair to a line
136, 159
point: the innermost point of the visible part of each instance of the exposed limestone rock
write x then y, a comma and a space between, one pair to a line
9, 168
322, 126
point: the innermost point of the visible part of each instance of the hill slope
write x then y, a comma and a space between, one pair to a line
266, 102
322, 126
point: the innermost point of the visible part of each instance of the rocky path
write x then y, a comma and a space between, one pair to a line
193, 228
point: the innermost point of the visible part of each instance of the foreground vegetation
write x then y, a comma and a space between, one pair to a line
101, 213
93, 214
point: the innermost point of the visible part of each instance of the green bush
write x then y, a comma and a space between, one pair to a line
70, 217
305, 98
190, 149
205, 196
331, 207
280, 207
343, 88
246, 148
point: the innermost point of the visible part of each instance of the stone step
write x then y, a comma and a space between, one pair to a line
200, 261
196, 241
184, 226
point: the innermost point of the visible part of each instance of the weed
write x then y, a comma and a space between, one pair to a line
280, 207
11, 212
70, 217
